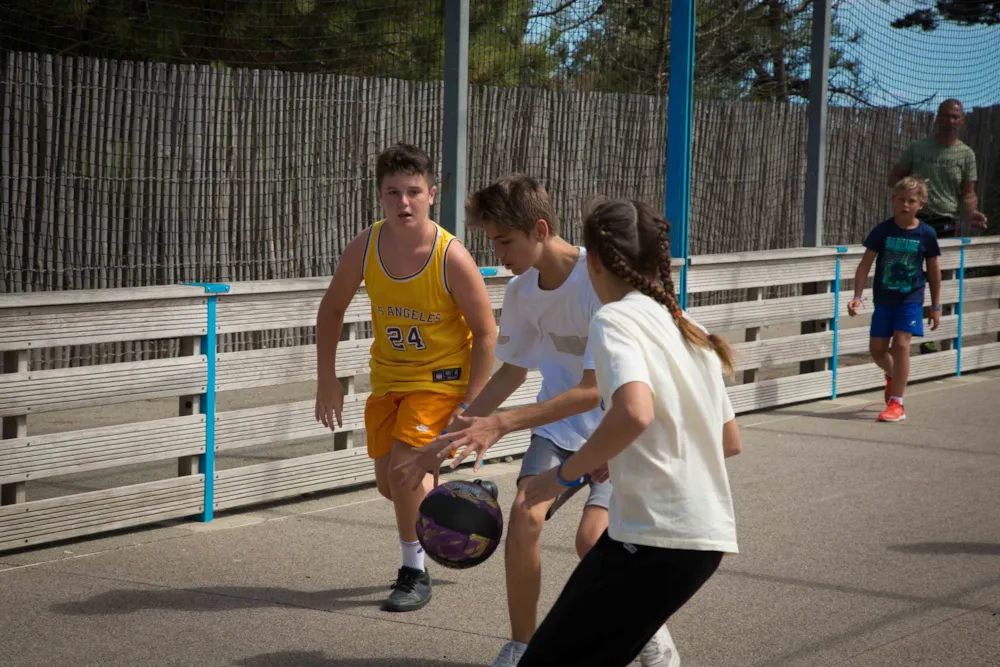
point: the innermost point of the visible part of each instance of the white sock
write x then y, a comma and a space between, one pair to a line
896, 398
521, 648
413, 554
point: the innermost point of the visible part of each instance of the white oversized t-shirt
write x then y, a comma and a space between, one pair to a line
670, 486
548, 330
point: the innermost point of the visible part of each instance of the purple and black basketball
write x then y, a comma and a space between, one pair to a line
460, 523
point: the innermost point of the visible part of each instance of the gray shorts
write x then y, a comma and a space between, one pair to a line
543, 454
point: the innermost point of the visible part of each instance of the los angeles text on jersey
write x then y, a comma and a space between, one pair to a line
409, 314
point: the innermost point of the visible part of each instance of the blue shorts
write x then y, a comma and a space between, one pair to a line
906, 317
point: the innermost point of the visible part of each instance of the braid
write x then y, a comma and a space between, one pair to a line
693, 333
666, 276
633, 243
614, 260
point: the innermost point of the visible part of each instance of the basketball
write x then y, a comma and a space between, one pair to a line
460, 523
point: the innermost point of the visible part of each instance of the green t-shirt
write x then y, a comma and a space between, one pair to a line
945, 168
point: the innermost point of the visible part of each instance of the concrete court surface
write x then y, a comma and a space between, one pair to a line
862, 545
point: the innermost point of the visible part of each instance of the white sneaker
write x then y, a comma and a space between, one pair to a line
509, 656
660, 651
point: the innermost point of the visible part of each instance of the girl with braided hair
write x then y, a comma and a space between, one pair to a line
665, 435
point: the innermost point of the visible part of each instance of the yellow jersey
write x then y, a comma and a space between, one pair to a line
422, 341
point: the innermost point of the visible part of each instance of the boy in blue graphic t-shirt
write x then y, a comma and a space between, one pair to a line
899, 247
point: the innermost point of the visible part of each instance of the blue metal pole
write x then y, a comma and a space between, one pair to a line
835, 323
206, 462
680, 110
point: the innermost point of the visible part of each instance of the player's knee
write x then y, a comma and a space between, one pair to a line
901, 344
526, 523
382, 477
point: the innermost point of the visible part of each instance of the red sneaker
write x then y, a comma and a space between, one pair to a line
893, 413
888, 389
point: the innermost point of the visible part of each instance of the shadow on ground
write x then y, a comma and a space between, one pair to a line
317, 659
948, 548
224, 598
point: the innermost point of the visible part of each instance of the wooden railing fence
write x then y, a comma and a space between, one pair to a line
825, 363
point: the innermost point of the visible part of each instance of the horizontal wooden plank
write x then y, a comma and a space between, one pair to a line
767, 256
261, 311
709, 277
982, 289
763, 312
976, 323
283, 365
41, 521
780, 391
778, 351
40, 456
46, 391
105, 295
927, 366
975, 357
114, 321
321, 283
982, 254
286, 422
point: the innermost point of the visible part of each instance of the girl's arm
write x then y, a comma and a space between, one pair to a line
731, 442
630, 414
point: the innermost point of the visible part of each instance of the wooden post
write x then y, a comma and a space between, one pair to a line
342, 439
815, 326
14, 427
947, 309
188, 405
752, 334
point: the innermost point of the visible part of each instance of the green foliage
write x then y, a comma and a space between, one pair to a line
389, 38
749, 49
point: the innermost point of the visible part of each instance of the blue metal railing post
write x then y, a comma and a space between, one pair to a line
961, 304
209, 346
680, 109
835, 323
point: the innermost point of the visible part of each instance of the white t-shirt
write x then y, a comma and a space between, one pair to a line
548, 330
670, 486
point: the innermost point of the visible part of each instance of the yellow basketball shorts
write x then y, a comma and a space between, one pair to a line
415, 418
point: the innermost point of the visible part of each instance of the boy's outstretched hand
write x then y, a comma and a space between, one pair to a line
853, 305
934, 319
464, 436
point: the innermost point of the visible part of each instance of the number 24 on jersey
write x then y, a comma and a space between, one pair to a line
412, 338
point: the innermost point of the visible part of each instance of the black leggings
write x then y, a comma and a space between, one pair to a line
617, 598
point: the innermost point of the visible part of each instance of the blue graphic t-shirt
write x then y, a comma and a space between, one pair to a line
900, 274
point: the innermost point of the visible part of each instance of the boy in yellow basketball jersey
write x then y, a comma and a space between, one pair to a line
434, 333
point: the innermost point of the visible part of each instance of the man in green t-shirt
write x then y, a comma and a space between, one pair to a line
949, 166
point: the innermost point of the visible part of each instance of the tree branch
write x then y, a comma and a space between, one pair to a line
552, 12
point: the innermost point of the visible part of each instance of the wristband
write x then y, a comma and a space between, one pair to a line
571, 485
935, 307
463, 406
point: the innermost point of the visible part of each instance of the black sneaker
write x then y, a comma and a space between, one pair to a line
412, 591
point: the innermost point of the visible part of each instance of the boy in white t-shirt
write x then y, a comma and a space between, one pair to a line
668, 427
544, 324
